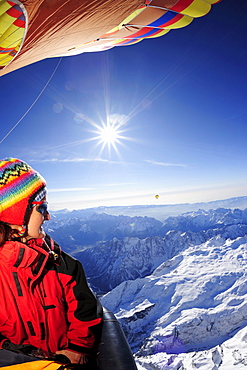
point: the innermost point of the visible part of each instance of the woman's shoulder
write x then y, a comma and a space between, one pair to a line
13, 245
10, 250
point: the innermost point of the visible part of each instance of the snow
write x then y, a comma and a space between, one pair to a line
185, 313
230, 355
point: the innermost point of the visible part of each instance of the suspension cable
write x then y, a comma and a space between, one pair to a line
35, 101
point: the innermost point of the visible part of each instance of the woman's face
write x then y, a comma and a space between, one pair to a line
38, 215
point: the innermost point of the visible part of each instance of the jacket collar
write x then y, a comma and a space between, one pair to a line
19, 255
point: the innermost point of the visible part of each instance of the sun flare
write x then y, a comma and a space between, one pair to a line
108, 134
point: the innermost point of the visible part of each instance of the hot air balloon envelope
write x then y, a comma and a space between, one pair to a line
32, 30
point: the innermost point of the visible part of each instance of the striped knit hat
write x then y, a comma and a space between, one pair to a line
20, 185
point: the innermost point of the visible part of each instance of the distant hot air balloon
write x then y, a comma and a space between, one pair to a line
32, 30
156, 196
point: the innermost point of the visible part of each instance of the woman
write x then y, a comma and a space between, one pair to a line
45, 302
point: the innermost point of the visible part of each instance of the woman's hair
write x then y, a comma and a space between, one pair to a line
6, 232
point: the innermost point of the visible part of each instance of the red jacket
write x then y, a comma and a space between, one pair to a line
45, 303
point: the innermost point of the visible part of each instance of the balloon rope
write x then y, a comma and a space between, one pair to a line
35, 101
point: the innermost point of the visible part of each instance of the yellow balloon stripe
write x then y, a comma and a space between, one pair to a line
12, 37
34, 365
123, 41
5, 59
196, 9
213, 1
184, 21
4, 6
5, 21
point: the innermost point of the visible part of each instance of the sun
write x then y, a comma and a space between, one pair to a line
109, 134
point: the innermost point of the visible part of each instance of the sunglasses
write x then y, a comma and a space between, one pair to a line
42, 207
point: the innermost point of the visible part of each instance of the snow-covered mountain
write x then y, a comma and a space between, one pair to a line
83, 228
204, 220
107, 264
87, 230
185, 313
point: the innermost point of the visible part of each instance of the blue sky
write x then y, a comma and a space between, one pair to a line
179, 101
